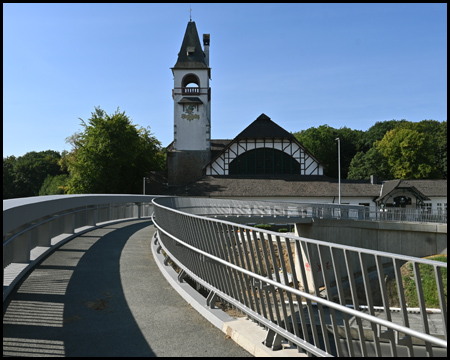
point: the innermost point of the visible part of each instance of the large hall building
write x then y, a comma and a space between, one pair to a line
264, 161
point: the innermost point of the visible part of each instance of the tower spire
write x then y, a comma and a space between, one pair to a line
190, 13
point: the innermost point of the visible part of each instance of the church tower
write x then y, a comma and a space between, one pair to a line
191, 148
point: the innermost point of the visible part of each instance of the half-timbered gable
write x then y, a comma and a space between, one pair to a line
264, 148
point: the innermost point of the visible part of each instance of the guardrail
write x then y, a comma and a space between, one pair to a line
33, 227
254, 271
296, 210
409, 215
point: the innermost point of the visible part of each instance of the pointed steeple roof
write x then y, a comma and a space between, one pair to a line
191, 55
264, 127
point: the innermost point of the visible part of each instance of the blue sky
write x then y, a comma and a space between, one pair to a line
303, 65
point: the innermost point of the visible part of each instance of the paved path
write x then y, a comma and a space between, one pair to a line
101, 294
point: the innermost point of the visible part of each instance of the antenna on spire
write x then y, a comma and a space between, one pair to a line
190, 14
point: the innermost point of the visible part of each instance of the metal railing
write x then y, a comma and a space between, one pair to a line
33, 227
409, 215
190, 91
293, 210
338, 302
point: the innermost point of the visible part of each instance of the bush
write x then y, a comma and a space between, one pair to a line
263, 226
54, 185
283, 230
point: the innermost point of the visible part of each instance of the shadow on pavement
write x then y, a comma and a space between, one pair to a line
73, 304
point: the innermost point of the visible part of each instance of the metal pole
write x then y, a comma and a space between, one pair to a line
143, 185
339, 167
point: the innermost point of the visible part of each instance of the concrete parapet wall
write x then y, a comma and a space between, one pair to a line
410, 239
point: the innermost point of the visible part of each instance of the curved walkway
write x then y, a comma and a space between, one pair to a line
102, 294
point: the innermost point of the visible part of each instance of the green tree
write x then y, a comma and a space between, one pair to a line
321, 142
409, 152
370, 163
351, 143
391, 160
9, 186
377, 131
30, 170
111, 155
441, 151
437, 131
54, 185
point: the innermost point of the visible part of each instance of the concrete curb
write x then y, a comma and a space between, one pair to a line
244, 332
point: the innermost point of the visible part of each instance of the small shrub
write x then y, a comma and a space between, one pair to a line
282, 230
263, 226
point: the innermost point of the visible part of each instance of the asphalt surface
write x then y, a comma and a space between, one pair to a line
101, 294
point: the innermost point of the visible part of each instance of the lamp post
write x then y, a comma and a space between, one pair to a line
339, 167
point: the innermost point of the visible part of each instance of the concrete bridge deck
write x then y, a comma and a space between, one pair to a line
102, 294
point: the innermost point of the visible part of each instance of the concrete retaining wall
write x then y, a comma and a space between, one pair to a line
411, 239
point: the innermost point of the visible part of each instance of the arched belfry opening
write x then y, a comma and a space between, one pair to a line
190, 84
190, 79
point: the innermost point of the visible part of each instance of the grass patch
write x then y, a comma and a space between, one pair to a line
429, 285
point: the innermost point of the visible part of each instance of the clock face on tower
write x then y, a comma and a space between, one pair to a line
189, 113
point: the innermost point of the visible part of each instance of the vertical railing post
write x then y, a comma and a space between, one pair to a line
139, 208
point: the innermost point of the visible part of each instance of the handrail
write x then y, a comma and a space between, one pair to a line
308, 296
223, 257
290, 210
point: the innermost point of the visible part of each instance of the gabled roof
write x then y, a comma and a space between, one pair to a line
264, 127
191, 55
422, 189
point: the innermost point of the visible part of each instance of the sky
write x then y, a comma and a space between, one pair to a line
303, 65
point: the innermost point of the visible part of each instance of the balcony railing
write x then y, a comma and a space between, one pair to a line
191, 91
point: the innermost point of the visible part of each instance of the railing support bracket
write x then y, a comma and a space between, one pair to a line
273, 340
166, 260
181, 276
211, 299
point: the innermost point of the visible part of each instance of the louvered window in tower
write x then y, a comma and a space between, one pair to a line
190, 50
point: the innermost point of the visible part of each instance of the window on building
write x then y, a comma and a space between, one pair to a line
426, 207
264, 161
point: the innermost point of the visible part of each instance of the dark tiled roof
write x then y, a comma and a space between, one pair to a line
191, 43
429, 187
422, 188
190, 100
264, 127
275, 186
219, 144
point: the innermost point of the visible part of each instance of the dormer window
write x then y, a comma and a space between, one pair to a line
190, 50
